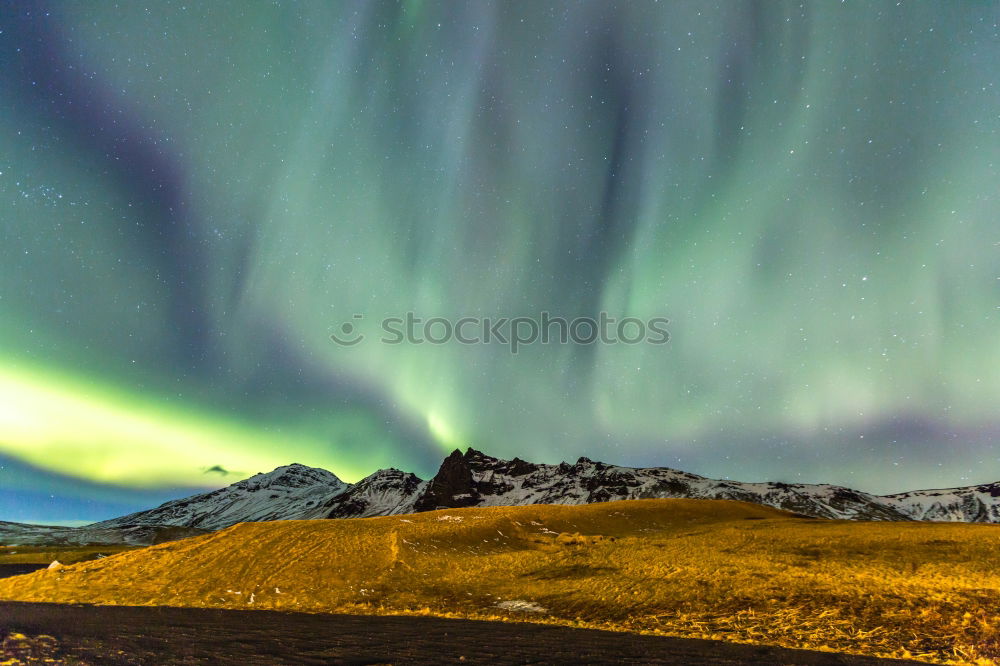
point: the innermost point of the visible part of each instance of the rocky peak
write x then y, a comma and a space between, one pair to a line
477, 459
453, 482
389, 478
386, 492
291, 476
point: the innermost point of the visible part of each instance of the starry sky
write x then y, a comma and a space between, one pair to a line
195, 195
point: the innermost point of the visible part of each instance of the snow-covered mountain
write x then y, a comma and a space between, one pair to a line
387, 492
476, 479
973, 504
287, 493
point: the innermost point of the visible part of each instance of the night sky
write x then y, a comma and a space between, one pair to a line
195, 195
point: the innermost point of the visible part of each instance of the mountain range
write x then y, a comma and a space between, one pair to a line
475, 479
298, 492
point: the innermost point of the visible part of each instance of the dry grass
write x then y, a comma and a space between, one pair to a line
695, 568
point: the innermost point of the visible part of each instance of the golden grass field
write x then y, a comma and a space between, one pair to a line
693, 568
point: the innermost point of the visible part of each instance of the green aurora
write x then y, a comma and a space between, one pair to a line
194, 196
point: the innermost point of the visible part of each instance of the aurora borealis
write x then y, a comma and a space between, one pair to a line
195, 195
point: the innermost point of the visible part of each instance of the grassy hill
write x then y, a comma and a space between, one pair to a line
694, 568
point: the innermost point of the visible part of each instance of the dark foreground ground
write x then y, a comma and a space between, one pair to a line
74, 634
18, 569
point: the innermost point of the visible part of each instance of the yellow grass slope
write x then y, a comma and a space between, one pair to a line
696, 568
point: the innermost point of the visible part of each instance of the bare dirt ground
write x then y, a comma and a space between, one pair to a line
77, 634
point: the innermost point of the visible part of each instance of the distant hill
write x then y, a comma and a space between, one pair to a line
20, 534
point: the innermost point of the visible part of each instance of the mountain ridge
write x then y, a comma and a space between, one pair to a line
474, 478
285, 492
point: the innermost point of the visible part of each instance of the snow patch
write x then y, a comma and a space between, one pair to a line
521, 606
